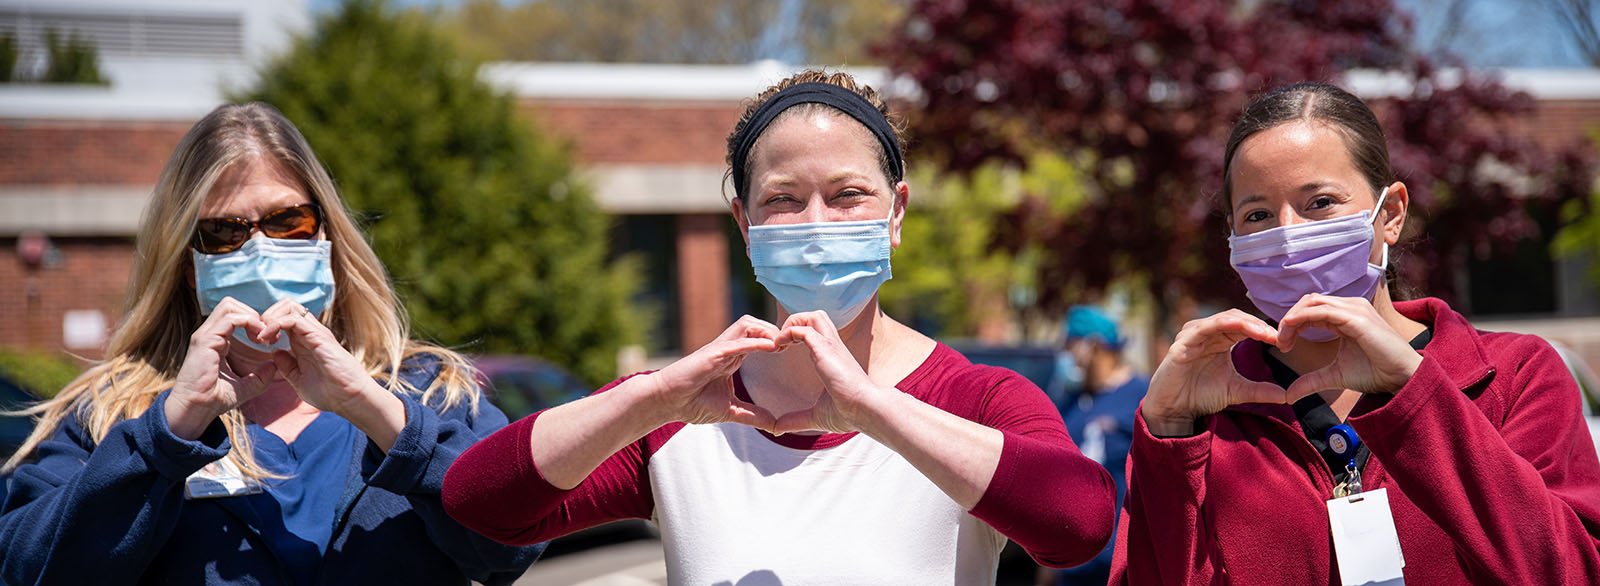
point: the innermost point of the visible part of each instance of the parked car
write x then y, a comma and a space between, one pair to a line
1050, 368
13, 430
523, 385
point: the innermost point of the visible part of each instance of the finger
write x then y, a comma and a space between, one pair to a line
749, 327
813, 340
1219, 334
1313, 314
1243, 390
802, 420
301, 326
287, 365
793, 333
1239, 322
285, 306
214, 332
747, 413
817, 320
255, 383
740, 347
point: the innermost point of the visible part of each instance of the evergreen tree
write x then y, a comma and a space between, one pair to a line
492, 244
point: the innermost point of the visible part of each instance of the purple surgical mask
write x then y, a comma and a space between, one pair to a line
1330, 257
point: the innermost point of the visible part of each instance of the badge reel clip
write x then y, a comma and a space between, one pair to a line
1344, 441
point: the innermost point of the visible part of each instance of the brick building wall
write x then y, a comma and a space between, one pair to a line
1558, 123
84, 271
643, 132
67, 152
621, 132
87, 274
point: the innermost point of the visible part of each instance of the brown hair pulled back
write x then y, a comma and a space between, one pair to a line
1318, 102
1340, 110
843, 80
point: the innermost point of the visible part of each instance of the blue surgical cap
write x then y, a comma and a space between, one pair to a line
1087, 321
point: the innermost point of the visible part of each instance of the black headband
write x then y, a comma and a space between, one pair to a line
839, 98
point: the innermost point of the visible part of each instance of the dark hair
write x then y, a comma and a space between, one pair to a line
840, 79
1344, 113
1319, 102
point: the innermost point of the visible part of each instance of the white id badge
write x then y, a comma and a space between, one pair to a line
1365, 541
218, 479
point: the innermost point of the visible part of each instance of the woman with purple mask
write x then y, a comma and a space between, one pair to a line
1359, 439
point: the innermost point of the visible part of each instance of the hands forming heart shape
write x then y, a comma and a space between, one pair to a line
318, 367
1197, 376
699, 387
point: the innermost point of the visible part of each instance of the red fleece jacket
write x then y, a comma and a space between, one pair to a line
1491, 474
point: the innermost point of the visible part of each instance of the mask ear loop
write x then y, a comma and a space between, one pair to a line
1382, 199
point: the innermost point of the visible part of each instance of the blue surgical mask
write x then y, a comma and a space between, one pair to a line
834, 267
264, 271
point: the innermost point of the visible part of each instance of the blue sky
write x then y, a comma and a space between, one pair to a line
1494, 33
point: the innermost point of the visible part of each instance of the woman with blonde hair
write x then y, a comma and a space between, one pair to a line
262, 415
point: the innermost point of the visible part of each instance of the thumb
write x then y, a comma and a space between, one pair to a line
802, 420
1312, 382
1243, 390
750, 414
256, 382
286, 364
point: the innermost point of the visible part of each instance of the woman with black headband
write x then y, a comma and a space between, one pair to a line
925, 463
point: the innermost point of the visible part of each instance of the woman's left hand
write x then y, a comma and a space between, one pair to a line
846, 386
328, 377
1372, 357
324, 374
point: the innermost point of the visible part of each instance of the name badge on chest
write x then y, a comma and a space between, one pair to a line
221, 478
1364, 540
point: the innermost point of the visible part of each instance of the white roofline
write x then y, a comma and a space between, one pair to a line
200, 90
1542, 84
636, 81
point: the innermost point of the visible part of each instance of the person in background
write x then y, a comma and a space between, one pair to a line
1359, 439
840, 448
262, 415
1099, 414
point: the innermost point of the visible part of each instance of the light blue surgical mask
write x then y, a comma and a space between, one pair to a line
264, 271
834, 267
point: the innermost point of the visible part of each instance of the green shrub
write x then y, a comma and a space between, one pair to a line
40, 373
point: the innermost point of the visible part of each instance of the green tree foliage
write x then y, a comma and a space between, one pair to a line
1581, 236
675, 31
955, 269
1145, 93
493, 245
73, 59
40, 373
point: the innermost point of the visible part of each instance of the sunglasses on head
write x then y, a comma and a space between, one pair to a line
219, 235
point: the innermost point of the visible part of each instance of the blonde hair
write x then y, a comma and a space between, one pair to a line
161, 310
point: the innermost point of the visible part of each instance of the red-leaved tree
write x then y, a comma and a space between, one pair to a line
1143, 93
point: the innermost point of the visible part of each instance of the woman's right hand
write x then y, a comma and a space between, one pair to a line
698, 388
206, 387
1197, 377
